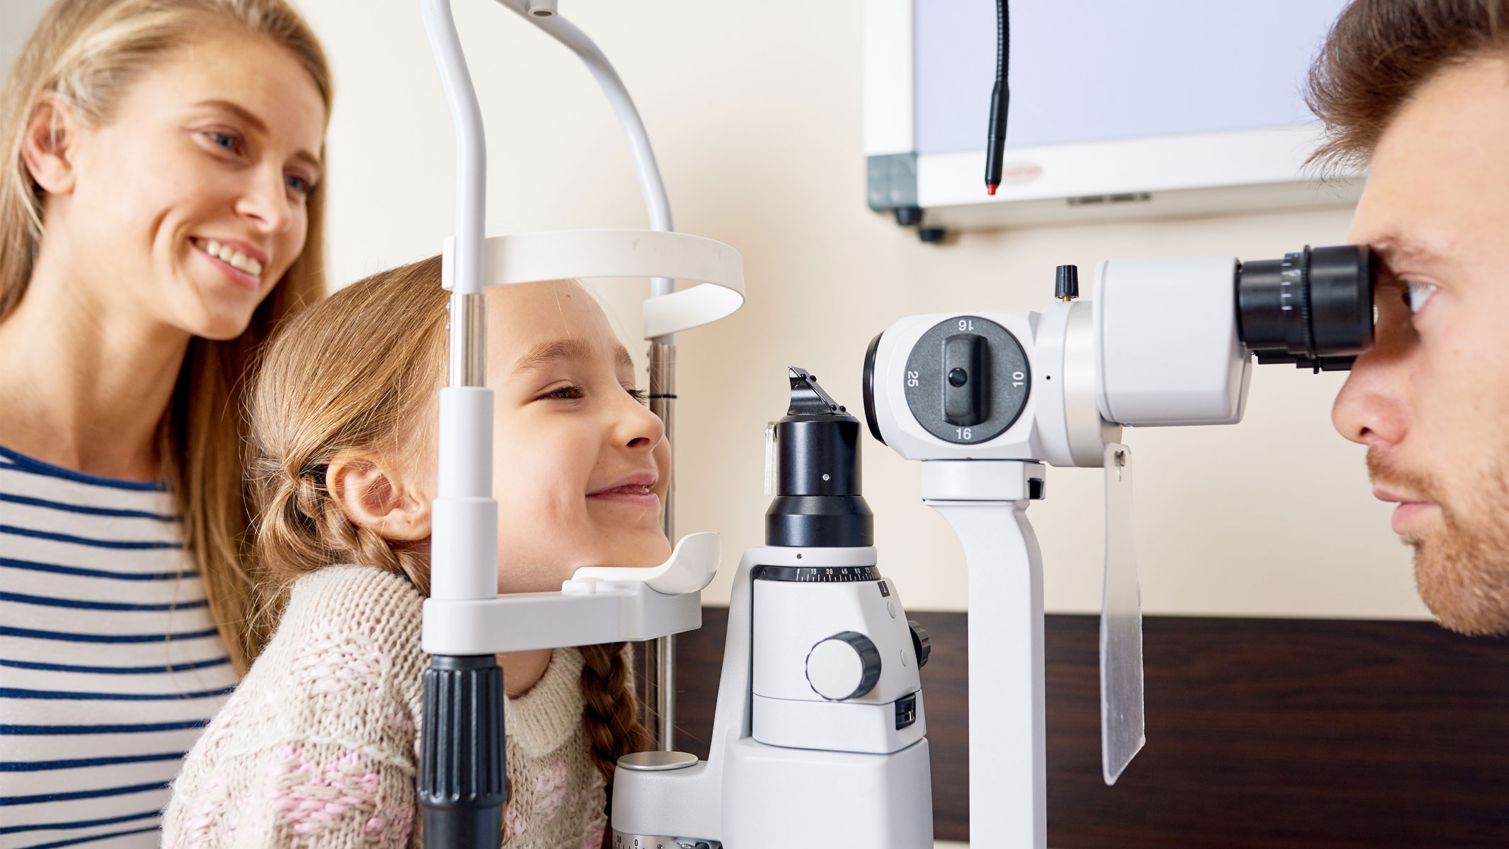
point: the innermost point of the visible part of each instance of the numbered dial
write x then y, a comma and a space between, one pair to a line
967, 380
817, 574
843, 666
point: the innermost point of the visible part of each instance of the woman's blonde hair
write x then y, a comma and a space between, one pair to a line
86, 54
358, 373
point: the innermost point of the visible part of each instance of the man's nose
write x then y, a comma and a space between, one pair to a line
1372, 408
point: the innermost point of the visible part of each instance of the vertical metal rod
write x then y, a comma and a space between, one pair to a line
660, 657
468, 352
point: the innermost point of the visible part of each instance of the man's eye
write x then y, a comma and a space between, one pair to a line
1417, 294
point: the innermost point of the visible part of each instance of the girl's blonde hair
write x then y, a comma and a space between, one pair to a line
358, 373
86, 54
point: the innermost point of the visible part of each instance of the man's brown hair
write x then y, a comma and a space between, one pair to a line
1378, 55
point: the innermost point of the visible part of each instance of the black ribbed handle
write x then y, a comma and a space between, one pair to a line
463, 776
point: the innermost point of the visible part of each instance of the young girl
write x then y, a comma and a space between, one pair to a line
319, 744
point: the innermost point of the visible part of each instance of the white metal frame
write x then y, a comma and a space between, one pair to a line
464, 614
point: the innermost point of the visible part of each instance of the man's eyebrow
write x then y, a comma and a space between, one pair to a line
251, 120
1396, 248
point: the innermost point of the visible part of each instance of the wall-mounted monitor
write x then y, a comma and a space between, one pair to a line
1119, 108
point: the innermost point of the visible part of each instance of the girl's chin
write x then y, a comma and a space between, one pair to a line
652, 550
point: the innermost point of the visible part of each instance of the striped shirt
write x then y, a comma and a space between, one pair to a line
110, 665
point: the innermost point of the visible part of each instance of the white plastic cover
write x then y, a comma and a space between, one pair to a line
715, 268
1122, 733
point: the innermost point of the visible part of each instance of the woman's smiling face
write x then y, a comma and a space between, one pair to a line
188, 202
580, 465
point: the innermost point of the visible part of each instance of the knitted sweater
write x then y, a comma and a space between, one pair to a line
318, 747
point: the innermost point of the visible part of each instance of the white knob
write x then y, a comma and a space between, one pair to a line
843, 666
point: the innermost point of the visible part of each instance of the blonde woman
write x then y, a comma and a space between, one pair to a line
319, 745
159, 213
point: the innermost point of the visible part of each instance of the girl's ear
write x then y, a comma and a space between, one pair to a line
373, 496
47, 146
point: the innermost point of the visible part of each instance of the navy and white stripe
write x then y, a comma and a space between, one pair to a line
110, 665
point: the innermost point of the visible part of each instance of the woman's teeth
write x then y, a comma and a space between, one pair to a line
230, 256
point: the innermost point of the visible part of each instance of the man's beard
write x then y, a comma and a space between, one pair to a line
1462, 562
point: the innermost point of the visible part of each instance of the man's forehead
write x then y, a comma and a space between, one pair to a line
1438, 181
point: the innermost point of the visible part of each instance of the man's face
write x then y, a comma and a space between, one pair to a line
1430, 400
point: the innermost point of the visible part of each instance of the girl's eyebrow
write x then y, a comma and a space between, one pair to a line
547, 353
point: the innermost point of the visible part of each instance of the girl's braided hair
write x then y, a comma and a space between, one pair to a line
356, 372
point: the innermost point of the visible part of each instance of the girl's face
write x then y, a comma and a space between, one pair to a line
580, 464
189, 202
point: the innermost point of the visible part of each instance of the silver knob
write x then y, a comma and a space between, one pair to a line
843, 666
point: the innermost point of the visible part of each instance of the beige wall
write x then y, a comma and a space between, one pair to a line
17, 19
755, 113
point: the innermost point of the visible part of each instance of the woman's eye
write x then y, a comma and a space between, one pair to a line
300, 184
565, 393
639, 395
1417, 294
230, 142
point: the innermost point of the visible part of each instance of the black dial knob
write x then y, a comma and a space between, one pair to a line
1066, 282
843, 666
922, 645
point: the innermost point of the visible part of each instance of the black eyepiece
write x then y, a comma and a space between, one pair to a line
818, 501
1313, 308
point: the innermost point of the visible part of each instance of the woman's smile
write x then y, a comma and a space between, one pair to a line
238, 261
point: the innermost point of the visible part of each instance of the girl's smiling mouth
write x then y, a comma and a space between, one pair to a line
637, 489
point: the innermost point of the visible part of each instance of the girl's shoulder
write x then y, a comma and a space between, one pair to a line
348, 633
329, 710
353, 600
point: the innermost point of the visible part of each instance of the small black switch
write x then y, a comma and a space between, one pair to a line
964, 400
906, 711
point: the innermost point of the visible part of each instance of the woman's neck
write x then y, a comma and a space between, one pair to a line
85, 384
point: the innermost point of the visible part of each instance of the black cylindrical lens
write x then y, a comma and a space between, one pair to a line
818, 500
1313, 308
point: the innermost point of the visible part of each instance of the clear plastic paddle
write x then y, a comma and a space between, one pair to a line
1121, 708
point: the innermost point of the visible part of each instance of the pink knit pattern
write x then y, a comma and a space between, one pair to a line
318, 747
